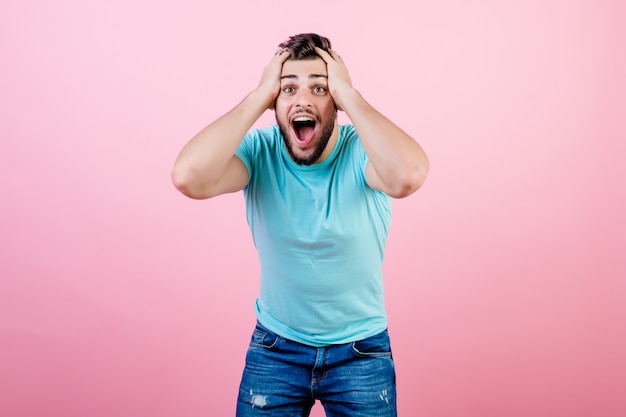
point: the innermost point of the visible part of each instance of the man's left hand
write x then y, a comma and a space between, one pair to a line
339, 82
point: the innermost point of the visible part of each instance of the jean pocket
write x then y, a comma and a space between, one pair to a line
377, 346
261, 337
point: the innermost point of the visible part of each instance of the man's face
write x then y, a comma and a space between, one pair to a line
305, 110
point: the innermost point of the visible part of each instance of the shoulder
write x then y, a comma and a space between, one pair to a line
257, 141
350, 141
266, 134
260, 147
348, 133
348, 136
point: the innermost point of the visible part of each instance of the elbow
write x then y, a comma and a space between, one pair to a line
182, 178
410, 183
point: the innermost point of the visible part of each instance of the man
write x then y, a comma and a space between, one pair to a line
318, 205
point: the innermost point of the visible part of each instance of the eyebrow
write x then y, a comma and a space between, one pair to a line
293, 76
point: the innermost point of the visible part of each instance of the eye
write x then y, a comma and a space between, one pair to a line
319, 90
288, 90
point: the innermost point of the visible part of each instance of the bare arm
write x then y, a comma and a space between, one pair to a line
397, 164
206, 166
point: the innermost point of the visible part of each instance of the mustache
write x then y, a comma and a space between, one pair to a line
304, 111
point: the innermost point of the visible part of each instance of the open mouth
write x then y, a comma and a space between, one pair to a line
304, 128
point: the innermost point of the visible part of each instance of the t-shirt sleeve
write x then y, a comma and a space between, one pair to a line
357, 154
247, 150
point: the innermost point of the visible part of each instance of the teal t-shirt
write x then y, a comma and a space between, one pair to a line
320, 233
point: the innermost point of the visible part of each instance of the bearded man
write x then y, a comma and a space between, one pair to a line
318, 203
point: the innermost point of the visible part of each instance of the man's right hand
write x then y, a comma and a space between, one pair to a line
270, 81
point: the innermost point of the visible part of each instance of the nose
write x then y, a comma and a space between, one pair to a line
303, 98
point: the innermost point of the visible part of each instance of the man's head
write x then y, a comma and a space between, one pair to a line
305, 111
303, 46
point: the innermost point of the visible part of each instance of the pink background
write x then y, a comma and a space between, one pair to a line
505, 273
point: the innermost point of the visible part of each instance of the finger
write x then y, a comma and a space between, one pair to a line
335, 55
282, 54
283, 57
331, 53
323, 54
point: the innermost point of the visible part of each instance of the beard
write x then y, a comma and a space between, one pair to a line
327, 131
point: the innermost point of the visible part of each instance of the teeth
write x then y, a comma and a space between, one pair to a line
303, 119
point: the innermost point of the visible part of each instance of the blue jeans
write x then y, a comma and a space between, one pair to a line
283, 378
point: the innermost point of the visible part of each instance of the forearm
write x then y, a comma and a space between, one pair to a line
203, 160
398, 160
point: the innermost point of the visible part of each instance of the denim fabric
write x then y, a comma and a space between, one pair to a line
283, 378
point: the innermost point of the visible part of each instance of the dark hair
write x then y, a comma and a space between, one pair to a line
302, 46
